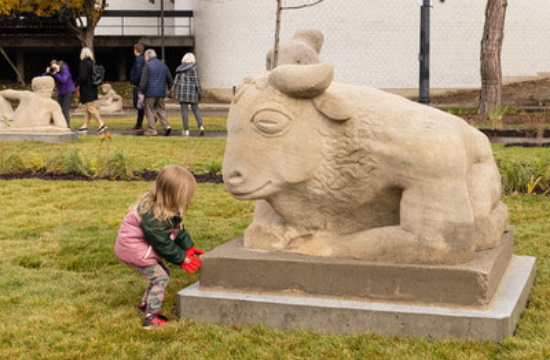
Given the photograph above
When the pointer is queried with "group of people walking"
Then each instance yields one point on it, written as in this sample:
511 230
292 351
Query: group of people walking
151 80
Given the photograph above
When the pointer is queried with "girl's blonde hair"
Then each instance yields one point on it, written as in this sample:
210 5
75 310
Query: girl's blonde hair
171 194
86 53
188 58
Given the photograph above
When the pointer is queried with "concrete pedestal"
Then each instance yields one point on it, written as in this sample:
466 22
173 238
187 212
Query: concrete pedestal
231 267
43 137
480 300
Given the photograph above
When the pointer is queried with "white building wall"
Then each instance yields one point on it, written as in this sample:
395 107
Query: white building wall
137 26
372 43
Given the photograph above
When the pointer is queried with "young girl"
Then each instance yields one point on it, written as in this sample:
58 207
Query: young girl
153 231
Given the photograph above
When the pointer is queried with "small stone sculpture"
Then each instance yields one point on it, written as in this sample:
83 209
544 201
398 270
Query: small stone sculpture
32 111
109 101
355 172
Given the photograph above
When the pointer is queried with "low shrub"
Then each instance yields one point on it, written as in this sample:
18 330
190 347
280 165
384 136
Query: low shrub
520 176
116 166
75 163
12 164
213 167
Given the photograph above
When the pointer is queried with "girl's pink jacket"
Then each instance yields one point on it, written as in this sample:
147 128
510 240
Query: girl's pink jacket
131 246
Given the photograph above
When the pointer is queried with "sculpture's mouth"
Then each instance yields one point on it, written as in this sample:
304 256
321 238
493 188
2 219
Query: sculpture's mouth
257 193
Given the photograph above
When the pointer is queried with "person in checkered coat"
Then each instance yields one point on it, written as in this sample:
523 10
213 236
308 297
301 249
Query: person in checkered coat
189 91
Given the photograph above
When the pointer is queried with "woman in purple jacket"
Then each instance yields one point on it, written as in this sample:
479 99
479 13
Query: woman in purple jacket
59 70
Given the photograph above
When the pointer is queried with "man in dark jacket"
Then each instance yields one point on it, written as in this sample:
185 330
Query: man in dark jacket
135 78
155 80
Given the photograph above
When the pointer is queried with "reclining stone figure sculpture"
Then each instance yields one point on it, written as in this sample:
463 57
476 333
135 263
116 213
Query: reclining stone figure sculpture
108 102
32 111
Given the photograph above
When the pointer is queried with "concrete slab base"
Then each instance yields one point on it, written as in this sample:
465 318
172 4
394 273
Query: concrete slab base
232 267
42 137
328 315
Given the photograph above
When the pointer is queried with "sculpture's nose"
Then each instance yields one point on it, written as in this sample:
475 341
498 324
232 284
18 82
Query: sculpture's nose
234 177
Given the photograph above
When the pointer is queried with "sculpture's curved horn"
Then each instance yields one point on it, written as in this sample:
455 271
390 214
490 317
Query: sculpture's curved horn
302 81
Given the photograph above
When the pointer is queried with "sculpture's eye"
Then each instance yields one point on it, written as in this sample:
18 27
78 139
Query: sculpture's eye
270 122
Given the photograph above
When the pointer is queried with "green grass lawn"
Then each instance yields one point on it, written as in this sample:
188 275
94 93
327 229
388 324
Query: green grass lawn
142 153
65 296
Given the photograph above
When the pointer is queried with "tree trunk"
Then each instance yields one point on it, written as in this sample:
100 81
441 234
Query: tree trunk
491 48
277 35
88 38
19 77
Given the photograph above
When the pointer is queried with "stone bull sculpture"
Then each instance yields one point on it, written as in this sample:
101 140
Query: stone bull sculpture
354 172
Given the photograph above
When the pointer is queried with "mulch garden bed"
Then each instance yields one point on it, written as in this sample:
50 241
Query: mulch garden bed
519 133
140 176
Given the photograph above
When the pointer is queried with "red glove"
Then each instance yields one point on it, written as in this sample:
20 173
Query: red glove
191 264
192 251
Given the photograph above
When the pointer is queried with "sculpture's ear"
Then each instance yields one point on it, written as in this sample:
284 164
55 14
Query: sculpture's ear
333 106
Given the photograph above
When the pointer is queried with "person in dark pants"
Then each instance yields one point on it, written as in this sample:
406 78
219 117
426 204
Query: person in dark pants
155 78
60 72
135 78
87 91
189 91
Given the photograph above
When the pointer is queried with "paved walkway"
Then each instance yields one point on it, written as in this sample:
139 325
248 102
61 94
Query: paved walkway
171 109
208 134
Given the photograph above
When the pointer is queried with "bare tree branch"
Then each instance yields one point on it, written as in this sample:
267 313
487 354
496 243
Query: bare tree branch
19 77
301 6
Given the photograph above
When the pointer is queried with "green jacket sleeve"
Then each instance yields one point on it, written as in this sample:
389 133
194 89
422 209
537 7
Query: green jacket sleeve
158 236
183 239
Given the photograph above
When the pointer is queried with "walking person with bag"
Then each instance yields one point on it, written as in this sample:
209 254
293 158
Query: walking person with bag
189 91
87 91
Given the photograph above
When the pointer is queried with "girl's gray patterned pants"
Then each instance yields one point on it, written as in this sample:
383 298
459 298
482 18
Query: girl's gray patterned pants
158 276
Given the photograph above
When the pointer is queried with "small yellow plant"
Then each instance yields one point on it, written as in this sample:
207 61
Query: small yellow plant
494 115
36 162
533 183
105 136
